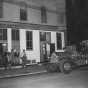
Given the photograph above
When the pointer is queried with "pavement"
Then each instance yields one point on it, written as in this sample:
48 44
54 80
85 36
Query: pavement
30 69
16 71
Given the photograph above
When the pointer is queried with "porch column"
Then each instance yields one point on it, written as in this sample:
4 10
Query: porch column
9 41
63 40
22 39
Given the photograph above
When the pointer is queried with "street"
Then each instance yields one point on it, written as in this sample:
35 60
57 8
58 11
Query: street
77 79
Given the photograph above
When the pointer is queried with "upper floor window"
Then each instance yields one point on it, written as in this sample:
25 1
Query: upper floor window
23 14
43 15
15 34
1 9
3 34
29 40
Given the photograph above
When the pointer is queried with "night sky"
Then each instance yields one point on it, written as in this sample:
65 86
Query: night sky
77 20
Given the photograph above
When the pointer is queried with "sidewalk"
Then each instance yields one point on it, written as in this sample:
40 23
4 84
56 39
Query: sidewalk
19 71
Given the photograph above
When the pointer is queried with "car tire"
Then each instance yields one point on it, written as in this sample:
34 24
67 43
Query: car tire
65 66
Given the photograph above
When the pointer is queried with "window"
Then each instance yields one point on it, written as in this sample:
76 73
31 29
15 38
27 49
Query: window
59 41
43 15
42 36
48 37
1 9
23 14
15 39
15 34
29 40
45 36
3 34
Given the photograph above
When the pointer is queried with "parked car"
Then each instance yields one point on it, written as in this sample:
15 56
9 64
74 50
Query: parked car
66 61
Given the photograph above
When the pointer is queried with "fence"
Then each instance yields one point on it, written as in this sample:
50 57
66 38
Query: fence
80 55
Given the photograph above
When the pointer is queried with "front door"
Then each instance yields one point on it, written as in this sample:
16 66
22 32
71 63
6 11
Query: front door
45 39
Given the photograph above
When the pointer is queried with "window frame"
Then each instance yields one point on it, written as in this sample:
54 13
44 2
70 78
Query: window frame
62 42
43 14
43 36
15 41
29 40
3 34
14 36
23 14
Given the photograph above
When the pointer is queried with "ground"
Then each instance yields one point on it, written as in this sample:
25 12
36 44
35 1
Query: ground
77 79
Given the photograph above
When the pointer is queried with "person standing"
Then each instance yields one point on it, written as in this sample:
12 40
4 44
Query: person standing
12 56
24 58
5 59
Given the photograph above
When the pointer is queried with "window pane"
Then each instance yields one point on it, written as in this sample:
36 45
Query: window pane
59 41
13 34
59 45
48 37
30 35
4 34
17 34
23 14
59 36
42 36
27 35
43 15
29 44
1 35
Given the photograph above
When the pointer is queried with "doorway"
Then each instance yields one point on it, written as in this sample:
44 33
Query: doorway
45 39
43 52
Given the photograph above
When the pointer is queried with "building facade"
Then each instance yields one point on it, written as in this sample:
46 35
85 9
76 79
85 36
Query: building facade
38 26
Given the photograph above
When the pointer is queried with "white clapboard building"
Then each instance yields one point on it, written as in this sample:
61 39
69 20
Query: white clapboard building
38 26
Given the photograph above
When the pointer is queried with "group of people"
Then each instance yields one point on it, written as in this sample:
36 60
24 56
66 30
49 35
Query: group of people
14 58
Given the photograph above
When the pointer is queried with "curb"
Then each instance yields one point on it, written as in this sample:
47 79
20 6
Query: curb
18 75
20 66
13 67
17 67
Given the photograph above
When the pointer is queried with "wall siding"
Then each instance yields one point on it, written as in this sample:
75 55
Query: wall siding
12 13
52 18
34 16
